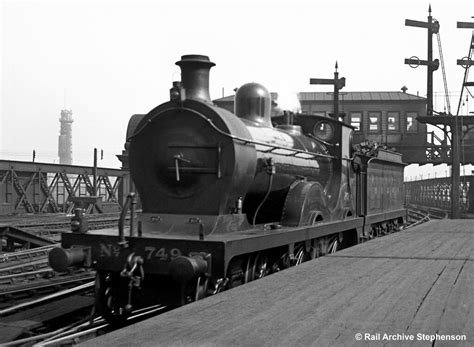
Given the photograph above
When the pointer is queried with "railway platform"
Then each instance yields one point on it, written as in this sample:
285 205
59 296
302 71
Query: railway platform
414 287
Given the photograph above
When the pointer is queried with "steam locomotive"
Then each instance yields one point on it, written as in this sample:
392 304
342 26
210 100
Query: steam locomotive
228 198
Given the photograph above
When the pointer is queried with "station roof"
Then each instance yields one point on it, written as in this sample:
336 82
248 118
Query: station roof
360 96
346 96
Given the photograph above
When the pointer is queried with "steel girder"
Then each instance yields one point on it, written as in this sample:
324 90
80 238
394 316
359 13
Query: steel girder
38 187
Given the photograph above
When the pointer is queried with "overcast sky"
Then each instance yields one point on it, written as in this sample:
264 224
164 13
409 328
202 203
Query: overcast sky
108 60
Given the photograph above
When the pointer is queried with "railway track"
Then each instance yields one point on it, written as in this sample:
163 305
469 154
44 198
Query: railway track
82 329
24 272
27 274
52 221
49 226
30 288
17 268
52 230
48 313
24 256
22 265
41 285
418 215
89 330
95 222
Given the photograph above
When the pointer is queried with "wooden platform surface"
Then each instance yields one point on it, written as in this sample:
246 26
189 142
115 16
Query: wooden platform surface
418 281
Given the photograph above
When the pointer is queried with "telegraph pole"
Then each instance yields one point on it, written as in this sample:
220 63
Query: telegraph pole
466 62
432 66
456 129
447 119
455 170
414 62
94 172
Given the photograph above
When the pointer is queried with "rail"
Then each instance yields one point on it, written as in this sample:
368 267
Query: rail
418 216
89 330
24 255
42 285
84 329
57 295
20 267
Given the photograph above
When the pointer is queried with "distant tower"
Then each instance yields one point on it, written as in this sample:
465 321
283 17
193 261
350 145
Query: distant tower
65 138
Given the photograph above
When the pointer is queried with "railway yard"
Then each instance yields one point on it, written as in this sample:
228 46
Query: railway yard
34 299
39 306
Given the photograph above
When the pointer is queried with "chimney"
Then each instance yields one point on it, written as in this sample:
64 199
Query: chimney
195 76
65 138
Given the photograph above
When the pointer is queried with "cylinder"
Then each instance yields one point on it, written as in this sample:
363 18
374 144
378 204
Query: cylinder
60 259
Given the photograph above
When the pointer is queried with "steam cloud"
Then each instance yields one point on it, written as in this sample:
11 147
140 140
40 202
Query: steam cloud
288 101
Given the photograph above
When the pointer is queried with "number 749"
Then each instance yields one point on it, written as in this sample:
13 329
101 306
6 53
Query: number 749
161 253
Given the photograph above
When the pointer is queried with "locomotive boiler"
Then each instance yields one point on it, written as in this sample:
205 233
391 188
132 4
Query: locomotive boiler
188 155
228 198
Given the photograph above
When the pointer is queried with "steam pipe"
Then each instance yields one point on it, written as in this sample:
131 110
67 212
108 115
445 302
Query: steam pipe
132 212
121 224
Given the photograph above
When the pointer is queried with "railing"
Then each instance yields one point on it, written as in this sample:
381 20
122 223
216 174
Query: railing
27 187
436 193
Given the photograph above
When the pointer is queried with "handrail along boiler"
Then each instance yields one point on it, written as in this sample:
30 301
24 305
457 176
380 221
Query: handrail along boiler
228 198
